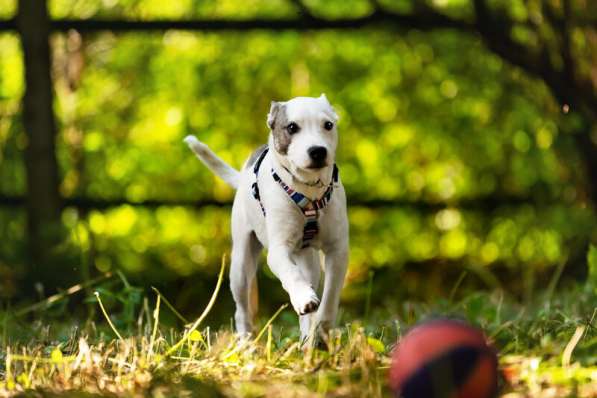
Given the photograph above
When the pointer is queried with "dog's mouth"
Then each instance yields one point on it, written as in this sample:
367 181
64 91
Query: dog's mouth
311 168
317 165
305 175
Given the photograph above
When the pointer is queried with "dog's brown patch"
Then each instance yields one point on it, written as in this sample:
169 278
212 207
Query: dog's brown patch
278 121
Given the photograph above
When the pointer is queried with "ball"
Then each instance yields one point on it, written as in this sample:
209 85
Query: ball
444 358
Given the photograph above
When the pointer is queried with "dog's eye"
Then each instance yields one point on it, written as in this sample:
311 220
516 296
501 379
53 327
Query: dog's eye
293 128
328 125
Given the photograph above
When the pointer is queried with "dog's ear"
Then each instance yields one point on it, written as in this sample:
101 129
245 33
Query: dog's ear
273 113
332 111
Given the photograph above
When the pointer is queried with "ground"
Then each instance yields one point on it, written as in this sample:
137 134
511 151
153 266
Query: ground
547 348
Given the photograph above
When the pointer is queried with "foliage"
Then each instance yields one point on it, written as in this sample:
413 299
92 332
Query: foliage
449 137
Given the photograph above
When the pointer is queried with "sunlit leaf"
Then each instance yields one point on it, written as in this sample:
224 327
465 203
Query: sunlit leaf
56 355
376 344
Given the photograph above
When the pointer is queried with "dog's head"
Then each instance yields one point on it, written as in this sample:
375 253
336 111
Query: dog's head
304 135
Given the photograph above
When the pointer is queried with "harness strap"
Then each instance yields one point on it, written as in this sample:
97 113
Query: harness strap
255 186
309 208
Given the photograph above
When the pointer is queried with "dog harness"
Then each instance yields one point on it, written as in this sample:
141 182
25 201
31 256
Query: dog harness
309 208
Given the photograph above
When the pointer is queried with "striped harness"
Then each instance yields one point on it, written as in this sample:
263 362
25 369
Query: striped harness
309 208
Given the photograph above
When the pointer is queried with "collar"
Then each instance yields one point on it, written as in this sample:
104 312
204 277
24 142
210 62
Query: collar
302 201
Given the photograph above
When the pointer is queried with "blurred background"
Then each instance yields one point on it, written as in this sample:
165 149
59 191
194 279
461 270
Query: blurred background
468 144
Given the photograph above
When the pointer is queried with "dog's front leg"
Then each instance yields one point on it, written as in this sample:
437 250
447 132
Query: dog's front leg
309 263
301 292
336 263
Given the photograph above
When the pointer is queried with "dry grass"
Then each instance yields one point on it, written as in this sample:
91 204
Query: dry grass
219 364
163 362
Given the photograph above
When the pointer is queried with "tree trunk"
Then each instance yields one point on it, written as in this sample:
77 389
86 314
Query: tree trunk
43 200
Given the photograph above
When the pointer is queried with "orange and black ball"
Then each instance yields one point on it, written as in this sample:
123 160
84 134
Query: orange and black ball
444 359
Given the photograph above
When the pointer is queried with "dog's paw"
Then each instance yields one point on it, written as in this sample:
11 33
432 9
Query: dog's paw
313 341
305 301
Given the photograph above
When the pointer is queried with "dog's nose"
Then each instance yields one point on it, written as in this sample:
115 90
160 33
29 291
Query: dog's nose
317 153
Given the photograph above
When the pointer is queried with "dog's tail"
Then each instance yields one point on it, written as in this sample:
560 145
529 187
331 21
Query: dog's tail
212 161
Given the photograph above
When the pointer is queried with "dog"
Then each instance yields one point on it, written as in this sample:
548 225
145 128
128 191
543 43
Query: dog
290 200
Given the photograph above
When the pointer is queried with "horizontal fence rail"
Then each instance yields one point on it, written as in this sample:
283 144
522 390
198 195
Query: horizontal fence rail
424 21
484 204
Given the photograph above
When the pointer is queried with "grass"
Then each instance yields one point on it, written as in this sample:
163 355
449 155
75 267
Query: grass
547 348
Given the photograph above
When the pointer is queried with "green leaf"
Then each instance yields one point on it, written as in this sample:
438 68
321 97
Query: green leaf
196 336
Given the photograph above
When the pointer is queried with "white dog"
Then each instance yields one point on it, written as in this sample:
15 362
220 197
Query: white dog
289 200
